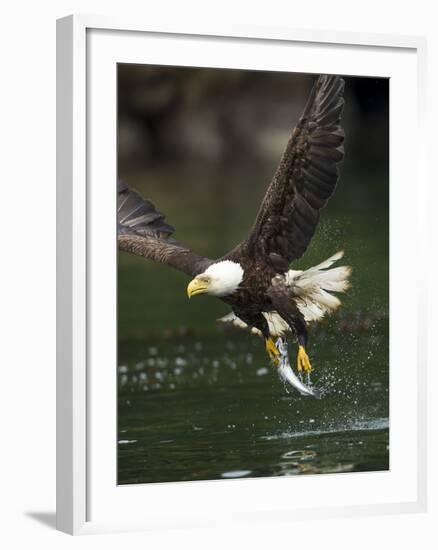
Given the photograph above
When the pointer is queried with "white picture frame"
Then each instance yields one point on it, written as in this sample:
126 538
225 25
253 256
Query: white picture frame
88 499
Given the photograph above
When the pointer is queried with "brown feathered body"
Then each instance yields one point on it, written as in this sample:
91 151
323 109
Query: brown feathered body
252 294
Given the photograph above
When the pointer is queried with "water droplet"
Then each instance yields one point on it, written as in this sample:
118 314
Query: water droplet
300 454
262 371
236 473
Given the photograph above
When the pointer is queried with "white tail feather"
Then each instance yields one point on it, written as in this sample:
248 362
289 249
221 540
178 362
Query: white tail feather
232 318
313 286
277 326
327 263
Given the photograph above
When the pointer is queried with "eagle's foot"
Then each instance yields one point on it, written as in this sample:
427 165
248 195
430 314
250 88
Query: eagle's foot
303 361
272 351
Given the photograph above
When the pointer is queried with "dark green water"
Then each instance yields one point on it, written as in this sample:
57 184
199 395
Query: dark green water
211 408
199 401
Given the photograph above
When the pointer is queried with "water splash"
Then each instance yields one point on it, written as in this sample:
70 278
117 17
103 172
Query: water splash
356 425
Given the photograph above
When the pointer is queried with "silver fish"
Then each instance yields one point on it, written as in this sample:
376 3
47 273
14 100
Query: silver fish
287 374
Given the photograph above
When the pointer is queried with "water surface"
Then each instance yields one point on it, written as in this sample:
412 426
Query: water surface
199 401
193 410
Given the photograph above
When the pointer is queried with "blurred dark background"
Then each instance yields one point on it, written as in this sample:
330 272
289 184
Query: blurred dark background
203 144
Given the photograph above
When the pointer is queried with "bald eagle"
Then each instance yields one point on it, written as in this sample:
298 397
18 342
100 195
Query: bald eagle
255 278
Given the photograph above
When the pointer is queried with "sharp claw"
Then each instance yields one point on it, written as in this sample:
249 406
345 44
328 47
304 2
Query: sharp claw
303 362
274 358
272 351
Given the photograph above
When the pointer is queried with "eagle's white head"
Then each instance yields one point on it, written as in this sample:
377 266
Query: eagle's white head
220 279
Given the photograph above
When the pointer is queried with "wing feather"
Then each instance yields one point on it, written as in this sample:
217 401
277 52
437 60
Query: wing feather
143 231
305 178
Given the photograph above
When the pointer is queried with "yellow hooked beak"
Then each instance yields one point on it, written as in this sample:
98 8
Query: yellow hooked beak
196 286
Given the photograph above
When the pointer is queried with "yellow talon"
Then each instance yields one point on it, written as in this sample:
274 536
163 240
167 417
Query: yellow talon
303 362
272 351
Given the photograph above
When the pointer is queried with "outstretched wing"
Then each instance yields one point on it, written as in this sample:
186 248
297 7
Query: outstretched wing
304 181
142 231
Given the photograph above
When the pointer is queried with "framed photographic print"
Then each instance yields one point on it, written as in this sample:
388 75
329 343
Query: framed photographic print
237 214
